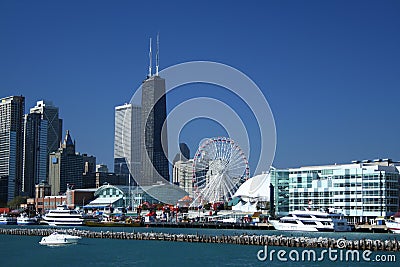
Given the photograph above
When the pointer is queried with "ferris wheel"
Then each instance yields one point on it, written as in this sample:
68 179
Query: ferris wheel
219 168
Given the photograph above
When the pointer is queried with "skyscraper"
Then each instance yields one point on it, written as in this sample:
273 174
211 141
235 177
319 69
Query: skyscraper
50 113
155 166
11 146
183 175
65 167
183 154
127 136
35 152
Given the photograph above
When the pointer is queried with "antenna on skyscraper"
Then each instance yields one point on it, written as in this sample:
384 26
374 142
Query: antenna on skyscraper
157 54
150 58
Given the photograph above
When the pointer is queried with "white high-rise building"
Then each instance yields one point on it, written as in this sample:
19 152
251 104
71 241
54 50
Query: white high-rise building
127 134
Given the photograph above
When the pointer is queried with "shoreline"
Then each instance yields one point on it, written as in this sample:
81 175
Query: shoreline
256 240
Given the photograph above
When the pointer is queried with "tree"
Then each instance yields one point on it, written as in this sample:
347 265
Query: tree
16 202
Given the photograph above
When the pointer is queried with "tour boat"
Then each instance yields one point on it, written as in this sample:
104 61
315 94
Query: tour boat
62 216
7 219
24 219
312 221
57 239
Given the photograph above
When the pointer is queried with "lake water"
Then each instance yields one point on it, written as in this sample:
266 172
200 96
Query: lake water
25 251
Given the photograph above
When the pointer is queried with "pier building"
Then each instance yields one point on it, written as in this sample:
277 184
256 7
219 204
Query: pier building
363 190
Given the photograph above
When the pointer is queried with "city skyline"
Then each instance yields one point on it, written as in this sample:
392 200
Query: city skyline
328 70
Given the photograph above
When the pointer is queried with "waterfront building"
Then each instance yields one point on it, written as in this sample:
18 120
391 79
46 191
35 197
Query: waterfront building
154 142
44 200
78 198
280 197
183 175
117 196
42 190
34 153
11 146
127 140
66 167
50 203
363 190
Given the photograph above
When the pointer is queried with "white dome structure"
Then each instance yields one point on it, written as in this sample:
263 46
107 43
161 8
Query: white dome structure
256 187
253 191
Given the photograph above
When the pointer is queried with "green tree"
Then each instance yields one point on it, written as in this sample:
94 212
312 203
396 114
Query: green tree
16 202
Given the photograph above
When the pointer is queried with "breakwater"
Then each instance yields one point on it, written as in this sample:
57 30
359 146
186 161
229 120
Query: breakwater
257 240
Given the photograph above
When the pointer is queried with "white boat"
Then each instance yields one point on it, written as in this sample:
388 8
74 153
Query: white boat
24 219
312 221
62 216
7 219
57 239
393 225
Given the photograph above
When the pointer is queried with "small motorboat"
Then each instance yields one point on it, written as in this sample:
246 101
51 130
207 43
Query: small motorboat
58 239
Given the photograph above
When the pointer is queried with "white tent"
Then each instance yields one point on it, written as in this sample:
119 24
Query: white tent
238 206
256 187
251 192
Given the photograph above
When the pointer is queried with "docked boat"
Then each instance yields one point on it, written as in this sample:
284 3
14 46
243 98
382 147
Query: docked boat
312 221
393 225
7 219
57 239
62 216
113 224
24 219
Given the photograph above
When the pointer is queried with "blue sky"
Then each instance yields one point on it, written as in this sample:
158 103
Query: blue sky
330 70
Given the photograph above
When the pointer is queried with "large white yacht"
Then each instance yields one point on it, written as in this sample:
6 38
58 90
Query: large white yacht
312 221
62 216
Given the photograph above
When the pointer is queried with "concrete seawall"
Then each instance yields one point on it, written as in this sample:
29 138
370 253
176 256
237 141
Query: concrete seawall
256 240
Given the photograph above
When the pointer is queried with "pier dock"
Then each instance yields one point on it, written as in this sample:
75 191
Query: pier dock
371 228
216 225
256 240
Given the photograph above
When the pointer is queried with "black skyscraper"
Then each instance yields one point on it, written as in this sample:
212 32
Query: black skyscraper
154 113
